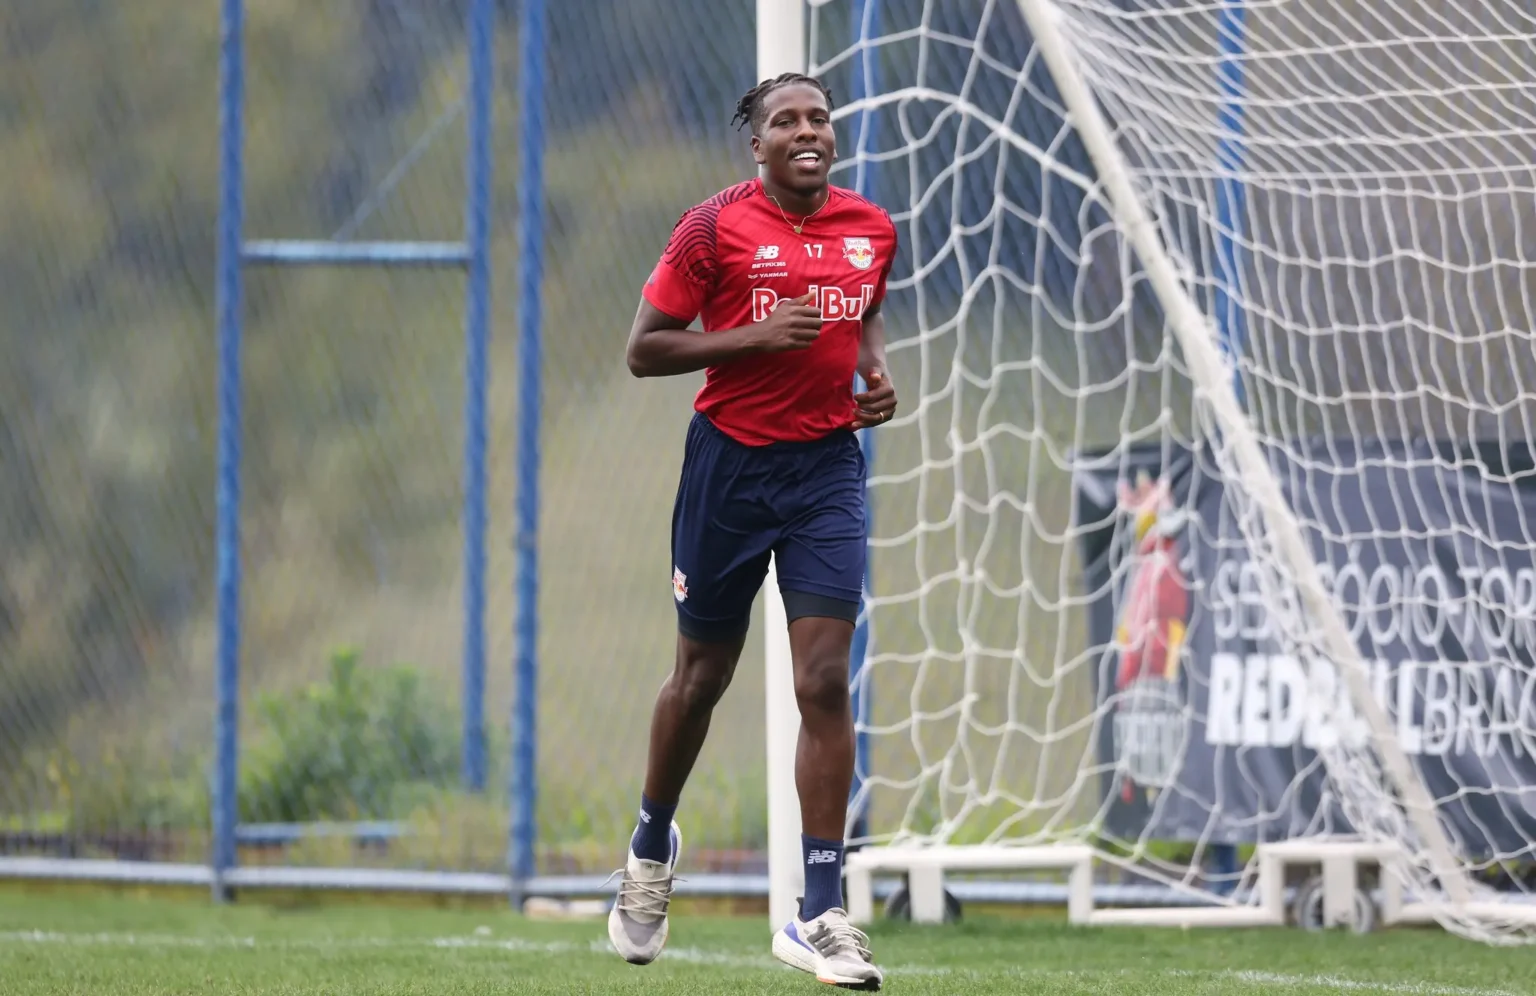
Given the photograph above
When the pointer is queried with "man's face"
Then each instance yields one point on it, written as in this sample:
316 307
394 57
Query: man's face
795 140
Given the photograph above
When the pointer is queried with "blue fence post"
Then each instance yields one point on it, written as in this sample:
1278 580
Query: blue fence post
477 309
530 245
228 295
1230 219
1230 197
866 81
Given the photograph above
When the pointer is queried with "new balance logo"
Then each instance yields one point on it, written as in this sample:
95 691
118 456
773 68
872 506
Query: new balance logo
644 816
821 858
767 252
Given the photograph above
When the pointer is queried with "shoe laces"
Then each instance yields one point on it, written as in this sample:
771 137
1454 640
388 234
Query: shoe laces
636 896
836 935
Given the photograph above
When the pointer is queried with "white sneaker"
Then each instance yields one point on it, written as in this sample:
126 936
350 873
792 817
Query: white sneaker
830 948
637 924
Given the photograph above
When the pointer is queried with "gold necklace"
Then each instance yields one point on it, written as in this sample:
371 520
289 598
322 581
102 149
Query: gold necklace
808 217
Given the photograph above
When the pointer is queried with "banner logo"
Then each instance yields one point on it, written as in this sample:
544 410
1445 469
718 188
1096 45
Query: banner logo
1150 721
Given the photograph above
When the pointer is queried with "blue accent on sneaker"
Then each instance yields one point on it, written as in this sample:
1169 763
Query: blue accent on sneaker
823 876
653 839
793 933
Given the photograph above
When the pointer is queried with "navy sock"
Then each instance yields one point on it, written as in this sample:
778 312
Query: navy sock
653 834
823 876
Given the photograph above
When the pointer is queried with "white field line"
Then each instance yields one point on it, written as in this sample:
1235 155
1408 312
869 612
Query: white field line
1355 985
727 959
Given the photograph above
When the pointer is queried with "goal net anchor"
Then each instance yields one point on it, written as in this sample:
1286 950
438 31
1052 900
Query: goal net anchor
1273 902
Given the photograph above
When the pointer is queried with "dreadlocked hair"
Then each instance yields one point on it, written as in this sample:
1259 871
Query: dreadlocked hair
749 109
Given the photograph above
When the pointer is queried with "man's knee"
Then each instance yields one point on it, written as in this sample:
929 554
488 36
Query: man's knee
820 646
703 671
822 684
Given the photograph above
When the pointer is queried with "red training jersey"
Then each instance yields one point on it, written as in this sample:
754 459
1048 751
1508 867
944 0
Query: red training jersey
732 259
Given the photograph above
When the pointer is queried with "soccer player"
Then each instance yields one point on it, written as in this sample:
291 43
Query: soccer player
788 274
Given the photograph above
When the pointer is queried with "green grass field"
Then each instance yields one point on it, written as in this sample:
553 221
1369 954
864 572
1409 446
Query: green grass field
54 942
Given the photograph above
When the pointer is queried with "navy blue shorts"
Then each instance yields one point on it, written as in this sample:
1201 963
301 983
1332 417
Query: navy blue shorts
738 505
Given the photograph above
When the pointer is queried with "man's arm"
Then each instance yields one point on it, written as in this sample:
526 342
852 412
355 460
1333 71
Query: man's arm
661 345
872 343
878 401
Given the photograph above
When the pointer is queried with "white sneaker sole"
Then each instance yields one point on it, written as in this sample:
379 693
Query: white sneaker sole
796 956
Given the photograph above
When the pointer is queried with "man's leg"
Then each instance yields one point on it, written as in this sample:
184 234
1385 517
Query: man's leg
820 940
679 725
720 552
637 924
821 575
825 752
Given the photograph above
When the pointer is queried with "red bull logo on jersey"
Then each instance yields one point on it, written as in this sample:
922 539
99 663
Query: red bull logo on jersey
1150 721
835 305
859 252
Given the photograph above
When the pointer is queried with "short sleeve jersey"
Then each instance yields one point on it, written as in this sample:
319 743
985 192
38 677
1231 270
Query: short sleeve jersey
732 259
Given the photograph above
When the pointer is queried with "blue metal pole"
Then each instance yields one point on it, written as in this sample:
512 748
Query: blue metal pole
1230 197
866 25
477 311
530 238
1231 216
224 795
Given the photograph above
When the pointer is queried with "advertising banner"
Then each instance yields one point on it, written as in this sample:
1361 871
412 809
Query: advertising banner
1213 722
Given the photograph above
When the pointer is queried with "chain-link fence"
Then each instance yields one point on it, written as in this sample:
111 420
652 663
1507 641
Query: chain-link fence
352 444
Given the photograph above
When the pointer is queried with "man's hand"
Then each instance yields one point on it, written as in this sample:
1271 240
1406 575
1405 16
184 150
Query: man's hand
877 403
793 325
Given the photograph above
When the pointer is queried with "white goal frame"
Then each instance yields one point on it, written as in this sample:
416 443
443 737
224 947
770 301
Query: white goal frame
781 47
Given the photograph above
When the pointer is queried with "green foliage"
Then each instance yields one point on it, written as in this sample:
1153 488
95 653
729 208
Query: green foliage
118 790
127 791
365 744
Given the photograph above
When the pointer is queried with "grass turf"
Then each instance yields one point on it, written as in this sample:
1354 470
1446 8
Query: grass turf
111 944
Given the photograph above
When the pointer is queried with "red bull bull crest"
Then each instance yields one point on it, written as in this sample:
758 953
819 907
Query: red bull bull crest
1150 721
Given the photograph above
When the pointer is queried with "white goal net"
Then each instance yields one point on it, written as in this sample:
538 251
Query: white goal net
1123 591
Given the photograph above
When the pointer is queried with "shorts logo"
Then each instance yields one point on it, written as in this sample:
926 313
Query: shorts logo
859 252
679 585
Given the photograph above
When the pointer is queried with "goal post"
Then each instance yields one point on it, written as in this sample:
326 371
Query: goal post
1207 520
781 49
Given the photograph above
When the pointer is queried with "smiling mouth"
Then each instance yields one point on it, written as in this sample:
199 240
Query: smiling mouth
806 159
